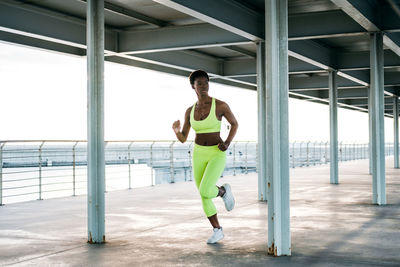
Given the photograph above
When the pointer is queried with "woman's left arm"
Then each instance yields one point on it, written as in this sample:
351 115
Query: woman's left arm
227 113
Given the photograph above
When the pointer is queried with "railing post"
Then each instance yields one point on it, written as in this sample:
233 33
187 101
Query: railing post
1 174
129 164
341 151
234 159
73 170
314 153
105 166
307 150
171 157
351 151
347 152
293 161
246 156
326 153
365 151
257 163
320 153
190 160
300 157
40 170
362 151
356 149
344 152
151 164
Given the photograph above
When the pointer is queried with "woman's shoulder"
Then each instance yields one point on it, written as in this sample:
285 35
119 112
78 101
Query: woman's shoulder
189 109
220 103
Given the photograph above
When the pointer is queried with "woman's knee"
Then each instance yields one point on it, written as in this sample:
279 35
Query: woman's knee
208 192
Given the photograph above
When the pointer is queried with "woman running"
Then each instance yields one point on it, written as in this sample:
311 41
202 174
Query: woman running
209 155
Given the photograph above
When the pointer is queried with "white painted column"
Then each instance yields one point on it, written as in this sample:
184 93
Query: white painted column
396 130
276 44
262 127
95 117
371 163
333 127
377 119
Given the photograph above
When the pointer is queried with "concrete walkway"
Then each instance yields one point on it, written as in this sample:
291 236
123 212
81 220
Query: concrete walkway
332 225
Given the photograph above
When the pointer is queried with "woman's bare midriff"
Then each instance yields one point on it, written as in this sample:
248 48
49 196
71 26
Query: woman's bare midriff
208 139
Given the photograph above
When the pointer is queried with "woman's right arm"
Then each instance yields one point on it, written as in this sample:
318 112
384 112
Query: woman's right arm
176 126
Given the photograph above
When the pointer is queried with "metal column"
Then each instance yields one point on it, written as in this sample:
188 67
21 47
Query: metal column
333 127
396 131
276 36
371 163
377 119
1 173
262 127
96 161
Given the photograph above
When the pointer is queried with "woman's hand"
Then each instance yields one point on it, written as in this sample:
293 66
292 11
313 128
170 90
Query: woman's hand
223 146
176 126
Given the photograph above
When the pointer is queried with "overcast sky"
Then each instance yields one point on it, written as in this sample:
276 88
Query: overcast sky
43 96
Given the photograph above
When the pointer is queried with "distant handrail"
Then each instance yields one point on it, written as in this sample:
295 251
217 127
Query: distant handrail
131 161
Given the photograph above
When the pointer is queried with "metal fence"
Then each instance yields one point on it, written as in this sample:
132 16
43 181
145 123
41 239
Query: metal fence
44 169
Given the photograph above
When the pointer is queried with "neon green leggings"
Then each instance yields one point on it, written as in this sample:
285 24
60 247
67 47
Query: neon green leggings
208 165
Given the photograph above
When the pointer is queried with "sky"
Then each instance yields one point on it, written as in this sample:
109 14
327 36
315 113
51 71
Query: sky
43 95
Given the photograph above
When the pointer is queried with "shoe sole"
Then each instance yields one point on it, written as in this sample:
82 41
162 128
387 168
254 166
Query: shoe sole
228 191
216 240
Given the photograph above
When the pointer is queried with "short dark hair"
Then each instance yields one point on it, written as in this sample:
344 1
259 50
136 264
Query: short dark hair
196 74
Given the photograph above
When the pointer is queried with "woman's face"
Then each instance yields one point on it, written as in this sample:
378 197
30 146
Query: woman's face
200 85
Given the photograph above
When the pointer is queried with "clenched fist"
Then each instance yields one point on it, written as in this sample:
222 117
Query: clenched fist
176 126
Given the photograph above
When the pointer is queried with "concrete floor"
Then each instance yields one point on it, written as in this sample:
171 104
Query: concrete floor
332 225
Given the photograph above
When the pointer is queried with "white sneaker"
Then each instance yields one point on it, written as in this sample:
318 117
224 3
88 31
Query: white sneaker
228 197
218 234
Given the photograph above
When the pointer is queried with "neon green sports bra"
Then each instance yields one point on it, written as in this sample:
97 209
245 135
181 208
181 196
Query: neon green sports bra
209 125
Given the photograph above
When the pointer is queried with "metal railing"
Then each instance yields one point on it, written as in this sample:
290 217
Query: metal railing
44 169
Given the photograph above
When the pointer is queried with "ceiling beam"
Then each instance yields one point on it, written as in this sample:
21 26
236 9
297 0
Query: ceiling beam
319 25
242 51
228 15
17 39
312 53
361 60
342 93
177 70
391 80
177 38
318 82
131 14
367 15
364 102
34 22
184 60
134 14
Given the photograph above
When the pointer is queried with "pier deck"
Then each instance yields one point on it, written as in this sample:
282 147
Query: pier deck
164 225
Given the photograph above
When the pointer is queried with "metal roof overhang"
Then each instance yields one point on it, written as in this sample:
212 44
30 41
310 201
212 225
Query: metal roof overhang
178 36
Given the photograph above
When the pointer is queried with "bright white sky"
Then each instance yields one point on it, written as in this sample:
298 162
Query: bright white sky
43 96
